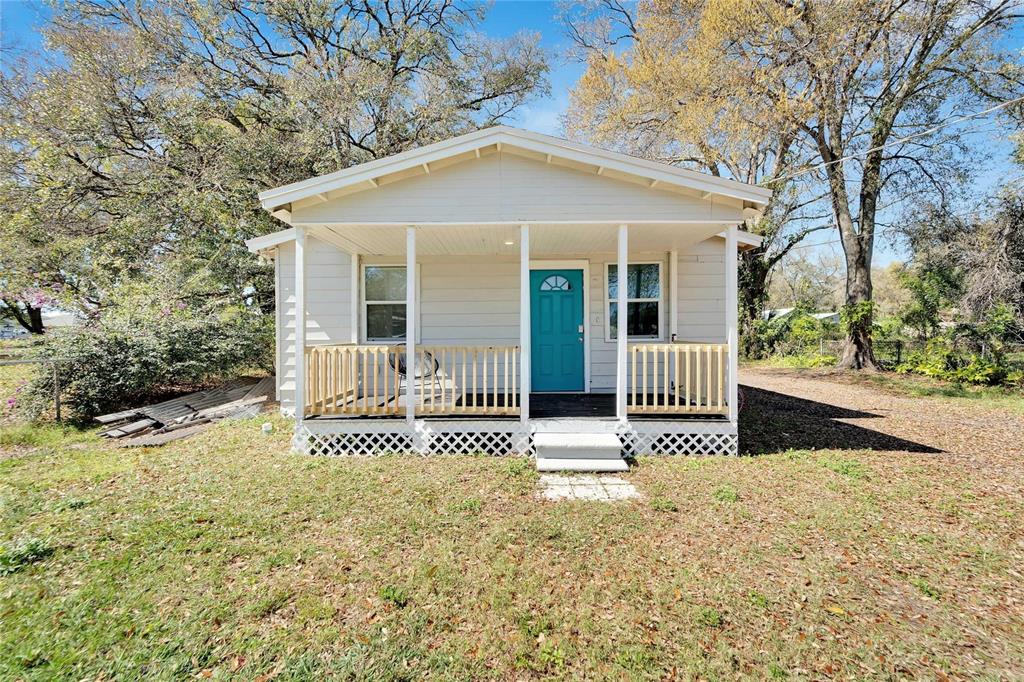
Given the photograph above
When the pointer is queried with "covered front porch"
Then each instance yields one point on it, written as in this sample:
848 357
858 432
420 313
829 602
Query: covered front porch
544 327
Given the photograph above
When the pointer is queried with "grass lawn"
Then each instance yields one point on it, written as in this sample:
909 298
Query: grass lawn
225 556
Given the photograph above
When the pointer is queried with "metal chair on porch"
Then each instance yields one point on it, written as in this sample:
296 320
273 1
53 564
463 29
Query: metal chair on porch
426 373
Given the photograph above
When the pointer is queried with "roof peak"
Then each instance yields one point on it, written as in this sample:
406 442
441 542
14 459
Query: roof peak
654 171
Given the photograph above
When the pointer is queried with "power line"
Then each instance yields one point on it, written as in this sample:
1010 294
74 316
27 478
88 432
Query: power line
907 138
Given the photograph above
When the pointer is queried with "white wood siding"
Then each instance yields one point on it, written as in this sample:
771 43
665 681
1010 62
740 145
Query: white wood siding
509 187
701 282
328 306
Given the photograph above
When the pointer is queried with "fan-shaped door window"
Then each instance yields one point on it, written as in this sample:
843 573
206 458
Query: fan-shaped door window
555 283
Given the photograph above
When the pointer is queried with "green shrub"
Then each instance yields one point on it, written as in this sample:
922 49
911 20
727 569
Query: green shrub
119 363
939 359
805 330
806 360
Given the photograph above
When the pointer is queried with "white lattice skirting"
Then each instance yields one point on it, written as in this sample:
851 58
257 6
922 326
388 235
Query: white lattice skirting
499 438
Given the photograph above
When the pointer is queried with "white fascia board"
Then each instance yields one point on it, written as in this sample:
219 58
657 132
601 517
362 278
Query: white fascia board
513 137
269 241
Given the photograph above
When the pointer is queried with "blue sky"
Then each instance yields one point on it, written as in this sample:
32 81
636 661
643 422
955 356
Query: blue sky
21 19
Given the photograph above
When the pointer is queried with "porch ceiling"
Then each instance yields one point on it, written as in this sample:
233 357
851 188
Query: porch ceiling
546 239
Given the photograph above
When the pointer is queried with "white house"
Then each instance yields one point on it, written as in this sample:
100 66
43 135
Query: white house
492 259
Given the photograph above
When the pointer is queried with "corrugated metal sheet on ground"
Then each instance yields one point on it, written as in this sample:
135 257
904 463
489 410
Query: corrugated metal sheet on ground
168 411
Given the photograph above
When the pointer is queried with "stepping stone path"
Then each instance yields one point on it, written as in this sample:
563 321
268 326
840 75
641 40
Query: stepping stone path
585 487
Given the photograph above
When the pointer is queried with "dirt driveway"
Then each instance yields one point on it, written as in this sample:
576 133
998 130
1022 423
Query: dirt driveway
822 409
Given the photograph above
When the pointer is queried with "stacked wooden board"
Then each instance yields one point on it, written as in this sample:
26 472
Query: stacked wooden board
187 415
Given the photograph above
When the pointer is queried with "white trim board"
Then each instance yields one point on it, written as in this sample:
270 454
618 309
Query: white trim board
267 242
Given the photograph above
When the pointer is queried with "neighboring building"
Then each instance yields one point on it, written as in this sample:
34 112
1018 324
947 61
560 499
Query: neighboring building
492 259
779 313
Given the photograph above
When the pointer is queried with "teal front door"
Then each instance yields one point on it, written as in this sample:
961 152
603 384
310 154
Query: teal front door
556 330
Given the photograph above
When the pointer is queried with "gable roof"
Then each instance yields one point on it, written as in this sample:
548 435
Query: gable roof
368 175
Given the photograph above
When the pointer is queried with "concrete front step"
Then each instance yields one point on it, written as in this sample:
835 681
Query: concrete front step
562 425
578 445
580 464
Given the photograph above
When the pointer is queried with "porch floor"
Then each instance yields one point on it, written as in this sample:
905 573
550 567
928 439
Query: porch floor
598 406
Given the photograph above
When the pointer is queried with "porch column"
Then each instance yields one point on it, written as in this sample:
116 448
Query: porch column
354 299
300 326
622 283
410 324
525 367
731 321
673 295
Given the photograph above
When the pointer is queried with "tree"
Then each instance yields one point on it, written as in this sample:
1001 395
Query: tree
867 83
864 86
653 87
131 160
971 260
132 155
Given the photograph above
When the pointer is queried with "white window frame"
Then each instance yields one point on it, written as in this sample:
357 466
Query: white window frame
363 302
660 300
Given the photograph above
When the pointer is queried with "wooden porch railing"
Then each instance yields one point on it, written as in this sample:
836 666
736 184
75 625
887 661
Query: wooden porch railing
677 378
351 380
471 380
365 380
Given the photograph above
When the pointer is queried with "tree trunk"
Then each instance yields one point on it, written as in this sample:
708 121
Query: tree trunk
35 316
29 317
858 352
858 245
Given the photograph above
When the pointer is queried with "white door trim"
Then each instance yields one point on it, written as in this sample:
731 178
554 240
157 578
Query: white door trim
583 265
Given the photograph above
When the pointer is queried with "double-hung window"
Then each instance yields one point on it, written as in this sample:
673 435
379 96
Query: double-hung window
384 302
643 297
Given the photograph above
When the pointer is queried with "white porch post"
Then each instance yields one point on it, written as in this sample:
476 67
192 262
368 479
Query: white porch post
300 328
410 323
673 295
525 366
354 300
622 281
731 320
